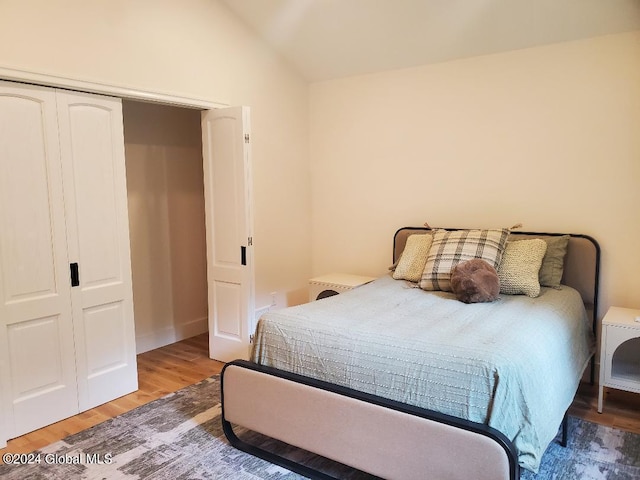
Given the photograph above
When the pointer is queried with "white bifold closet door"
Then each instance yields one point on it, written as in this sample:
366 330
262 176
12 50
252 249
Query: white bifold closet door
229 223
66 327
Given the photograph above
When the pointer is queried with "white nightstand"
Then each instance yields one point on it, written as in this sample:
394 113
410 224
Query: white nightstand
620 352
335 283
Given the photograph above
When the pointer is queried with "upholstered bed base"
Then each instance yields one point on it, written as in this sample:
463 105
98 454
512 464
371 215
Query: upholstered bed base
378 436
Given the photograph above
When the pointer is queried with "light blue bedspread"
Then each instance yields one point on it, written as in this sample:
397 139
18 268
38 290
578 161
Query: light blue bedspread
513 364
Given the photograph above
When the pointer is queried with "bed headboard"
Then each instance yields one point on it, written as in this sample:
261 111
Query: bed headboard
581 264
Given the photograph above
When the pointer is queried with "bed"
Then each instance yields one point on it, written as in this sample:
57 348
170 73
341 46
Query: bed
403 383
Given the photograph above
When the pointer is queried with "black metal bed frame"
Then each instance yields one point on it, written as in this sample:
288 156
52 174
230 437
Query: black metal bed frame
497 436
234 440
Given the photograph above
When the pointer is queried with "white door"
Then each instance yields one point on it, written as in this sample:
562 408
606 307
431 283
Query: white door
37 365
92 150
228 203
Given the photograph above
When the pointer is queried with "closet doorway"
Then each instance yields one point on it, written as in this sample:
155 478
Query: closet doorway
165 190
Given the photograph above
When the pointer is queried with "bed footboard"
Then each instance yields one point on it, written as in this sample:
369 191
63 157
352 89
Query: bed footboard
378 436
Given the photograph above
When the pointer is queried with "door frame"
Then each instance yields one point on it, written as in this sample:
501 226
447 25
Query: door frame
113 90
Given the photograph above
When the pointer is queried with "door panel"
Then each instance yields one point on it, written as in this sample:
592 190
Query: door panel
27 243
36 352
103 327
34 343
227 175
92 147
228 309
89 146
37 365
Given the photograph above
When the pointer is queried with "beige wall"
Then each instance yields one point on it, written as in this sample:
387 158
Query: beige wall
193 48
547 136
165 189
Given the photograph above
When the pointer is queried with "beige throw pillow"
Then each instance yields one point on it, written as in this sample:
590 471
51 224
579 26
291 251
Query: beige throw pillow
518 271
413 258
449 248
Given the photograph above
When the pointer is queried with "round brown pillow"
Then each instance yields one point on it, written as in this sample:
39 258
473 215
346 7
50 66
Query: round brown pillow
475 281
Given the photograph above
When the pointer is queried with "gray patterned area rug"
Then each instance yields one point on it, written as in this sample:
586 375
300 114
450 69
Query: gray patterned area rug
180 437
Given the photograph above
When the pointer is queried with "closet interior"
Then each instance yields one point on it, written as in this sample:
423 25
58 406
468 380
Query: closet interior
165 190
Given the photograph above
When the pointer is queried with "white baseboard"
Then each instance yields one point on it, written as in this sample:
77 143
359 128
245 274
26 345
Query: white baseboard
170 334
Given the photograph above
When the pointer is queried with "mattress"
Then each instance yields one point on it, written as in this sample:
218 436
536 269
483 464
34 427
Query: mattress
513 364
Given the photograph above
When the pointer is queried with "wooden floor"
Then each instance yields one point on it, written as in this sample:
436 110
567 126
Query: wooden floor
621 409
175 366
160 372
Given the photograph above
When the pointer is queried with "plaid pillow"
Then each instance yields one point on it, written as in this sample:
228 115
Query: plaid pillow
449 248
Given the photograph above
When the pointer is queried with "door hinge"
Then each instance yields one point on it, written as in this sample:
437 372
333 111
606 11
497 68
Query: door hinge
250 241
251 338
246 138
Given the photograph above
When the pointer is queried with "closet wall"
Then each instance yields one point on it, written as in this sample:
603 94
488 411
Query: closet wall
163 149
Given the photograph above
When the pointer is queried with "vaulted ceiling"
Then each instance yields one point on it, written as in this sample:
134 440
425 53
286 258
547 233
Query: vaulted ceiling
327 39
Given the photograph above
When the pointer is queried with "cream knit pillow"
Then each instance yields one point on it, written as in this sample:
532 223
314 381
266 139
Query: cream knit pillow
413 258
518 271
